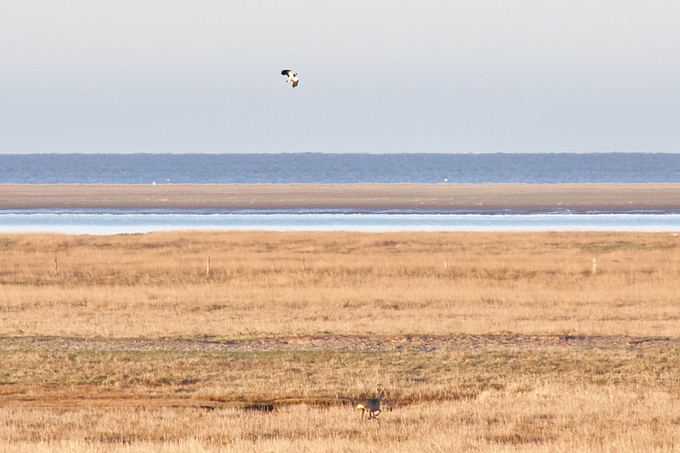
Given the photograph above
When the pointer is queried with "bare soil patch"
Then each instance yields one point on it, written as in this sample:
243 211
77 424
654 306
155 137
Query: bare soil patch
423 343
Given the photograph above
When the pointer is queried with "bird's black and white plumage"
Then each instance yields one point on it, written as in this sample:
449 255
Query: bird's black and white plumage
291 77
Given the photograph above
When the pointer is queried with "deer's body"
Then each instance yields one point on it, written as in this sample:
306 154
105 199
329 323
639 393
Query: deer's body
372 405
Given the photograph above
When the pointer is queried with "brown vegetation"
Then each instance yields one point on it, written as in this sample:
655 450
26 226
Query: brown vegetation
156 285
487 342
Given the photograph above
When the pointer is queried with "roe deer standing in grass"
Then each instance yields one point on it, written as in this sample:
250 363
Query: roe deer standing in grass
372 405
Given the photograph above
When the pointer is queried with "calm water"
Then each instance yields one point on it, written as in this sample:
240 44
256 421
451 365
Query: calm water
143 222
337 168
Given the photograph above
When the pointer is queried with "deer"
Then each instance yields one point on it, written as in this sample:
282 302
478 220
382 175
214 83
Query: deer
372 405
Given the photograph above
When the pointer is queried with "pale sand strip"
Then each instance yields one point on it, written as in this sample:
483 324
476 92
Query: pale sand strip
469 197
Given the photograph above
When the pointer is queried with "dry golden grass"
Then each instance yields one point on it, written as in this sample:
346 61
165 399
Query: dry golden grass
620 399
156 285
325 377
546 418
129 346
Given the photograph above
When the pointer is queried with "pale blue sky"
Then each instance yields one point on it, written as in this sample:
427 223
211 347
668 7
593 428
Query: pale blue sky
398 76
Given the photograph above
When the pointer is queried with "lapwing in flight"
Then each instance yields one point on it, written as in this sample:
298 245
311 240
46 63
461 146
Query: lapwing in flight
291 77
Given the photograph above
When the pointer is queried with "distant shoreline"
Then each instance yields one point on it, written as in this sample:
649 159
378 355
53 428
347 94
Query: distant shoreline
529 198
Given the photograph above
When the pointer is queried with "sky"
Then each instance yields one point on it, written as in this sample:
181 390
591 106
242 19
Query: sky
375 76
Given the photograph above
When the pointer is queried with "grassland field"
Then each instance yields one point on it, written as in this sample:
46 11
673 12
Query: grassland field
261 341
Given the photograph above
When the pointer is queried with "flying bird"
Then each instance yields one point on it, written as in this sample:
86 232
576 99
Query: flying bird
291 77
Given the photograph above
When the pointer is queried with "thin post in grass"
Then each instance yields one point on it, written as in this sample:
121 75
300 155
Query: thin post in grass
56 263
446 263
303 263
594 265
207 267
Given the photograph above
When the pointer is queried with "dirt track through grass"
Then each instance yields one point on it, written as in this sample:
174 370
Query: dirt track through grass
424 343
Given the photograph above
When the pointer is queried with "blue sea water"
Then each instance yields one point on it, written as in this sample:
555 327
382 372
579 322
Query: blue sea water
332 169
338 168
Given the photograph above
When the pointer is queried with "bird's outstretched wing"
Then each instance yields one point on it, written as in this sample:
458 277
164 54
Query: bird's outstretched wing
286 72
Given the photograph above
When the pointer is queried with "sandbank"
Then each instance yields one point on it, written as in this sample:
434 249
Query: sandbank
438 197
